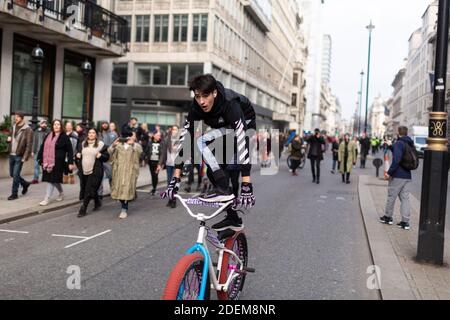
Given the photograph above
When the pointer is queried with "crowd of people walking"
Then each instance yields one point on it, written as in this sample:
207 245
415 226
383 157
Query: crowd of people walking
61 153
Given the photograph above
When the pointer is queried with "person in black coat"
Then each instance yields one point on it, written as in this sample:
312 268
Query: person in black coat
316 148
52 157
91 155
365 149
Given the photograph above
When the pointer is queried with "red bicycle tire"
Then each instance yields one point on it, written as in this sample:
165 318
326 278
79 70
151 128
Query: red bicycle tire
178 273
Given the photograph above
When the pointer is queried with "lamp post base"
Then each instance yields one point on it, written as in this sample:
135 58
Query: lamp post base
433 208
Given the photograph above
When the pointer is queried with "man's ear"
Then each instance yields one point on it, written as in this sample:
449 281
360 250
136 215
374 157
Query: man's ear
215 93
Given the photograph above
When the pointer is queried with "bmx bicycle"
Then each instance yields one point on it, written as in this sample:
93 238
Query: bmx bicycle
195 274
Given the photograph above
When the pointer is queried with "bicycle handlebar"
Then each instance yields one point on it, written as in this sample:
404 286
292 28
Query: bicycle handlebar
200 216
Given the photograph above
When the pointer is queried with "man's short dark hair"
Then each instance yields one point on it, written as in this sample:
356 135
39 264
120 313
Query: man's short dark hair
134 119
20 114
402 131
205 84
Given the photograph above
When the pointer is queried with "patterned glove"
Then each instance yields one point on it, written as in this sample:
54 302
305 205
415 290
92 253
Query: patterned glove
247 199
172 189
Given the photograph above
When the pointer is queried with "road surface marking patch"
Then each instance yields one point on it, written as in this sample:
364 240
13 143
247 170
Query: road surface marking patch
84 239
14 231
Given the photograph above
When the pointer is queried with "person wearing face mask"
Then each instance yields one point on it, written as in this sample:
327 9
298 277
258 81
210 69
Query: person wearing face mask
52 157
91 155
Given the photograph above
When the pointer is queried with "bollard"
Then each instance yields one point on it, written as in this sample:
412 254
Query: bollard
378 163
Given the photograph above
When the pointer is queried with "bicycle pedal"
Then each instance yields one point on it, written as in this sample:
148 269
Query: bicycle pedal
250 270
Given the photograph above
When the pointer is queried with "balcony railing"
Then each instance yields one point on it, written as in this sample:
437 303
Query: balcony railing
80 14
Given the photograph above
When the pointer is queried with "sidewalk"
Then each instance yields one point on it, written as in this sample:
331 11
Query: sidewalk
394 250
28 205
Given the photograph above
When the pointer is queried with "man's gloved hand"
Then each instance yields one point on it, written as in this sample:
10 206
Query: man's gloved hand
172 189
247 199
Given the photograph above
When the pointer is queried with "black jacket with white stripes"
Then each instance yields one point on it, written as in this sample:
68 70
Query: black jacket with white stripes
231 110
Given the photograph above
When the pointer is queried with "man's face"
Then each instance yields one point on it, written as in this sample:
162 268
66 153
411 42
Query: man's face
205 100
133 122
105 126
18 119
44 125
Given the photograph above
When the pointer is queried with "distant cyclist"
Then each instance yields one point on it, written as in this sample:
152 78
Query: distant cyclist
220 109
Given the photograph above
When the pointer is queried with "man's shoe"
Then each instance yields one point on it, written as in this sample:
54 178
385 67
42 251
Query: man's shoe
314 180
60 197
318 181
223 235
227 223
82 212
173 204
97 205
13 197
44 202
217 195
348 182
404 225
387 220
153 192
25 188
123 215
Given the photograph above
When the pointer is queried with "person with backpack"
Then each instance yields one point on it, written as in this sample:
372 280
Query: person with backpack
399 175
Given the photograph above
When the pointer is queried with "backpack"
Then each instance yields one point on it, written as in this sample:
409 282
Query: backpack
410 160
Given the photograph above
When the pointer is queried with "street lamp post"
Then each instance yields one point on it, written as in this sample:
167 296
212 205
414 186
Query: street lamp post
38 58
360 103
370 27
86 68
435 170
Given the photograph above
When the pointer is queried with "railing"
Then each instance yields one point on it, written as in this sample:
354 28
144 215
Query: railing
81 14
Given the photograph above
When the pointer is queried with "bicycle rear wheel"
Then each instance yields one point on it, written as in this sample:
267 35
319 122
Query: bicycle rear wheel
185 279
239 246
289 163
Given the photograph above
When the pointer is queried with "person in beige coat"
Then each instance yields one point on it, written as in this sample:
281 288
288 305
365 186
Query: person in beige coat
125 171
347 158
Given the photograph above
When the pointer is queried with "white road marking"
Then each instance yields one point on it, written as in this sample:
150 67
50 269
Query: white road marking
340 198
323 197
67 236
87 239
14 231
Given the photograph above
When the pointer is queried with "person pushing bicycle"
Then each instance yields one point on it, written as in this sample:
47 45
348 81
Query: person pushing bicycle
221 109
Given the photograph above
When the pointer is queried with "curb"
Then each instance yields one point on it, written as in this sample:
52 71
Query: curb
394 283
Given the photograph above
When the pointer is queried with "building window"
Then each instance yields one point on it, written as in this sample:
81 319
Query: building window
148 75
294 100
120 73
195 70
180 27
178 74
161 28
128 31
153 118
142 28
23 77
295 79
74 84
200 28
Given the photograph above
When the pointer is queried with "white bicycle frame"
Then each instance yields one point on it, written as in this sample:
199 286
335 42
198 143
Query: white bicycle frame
204 233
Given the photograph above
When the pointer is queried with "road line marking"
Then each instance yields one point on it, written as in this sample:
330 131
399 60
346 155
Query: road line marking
87 239
66 236
340 198
14 231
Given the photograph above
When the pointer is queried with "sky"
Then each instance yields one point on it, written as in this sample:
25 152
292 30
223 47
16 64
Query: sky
346 21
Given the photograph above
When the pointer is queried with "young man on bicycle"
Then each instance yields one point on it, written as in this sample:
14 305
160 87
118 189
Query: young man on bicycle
221 109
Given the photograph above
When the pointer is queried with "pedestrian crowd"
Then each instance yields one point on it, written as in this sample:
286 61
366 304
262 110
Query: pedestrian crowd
61 154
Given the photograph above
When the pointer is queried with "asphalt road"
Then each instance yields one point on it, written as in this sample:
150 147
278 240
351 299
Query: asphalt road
306 241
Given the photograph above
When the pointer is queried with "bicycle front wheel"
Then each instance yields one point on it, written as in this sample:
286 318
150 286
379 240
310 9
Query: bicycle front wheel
185 279
239 246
